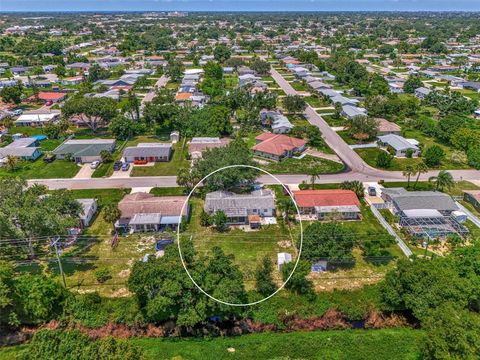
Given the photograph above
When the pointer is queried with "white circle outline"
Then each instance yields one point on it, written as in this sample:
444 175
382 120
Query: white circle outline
299 249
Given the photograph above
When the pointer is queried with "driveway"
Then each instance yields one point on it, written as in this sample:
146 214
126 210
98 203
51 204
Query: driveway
161 82
85 172
119 174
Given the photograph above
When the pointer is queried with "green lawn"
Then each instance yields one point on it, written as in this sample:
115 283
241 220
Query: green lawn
299 85
426 141
38 169
248 247
332 121
179 160
369 155
457 190
329 344
302 166
316 101
346 344
168 191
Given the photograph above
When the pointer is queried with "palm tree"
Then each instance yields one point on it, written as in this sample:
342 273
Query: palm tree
421 168
408 173
314 174
11 163
111 214
443 180
287 208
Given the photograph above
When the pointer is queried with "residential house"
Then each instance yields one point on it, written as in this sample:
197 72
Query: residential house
322 204
385 127
38 118
73 80
278 122
425 214
351 112
46 96
282 259
143 212
199 144
150 152
241 208
21 148
246 79
422 92
277 146
471 85
400 146
89 209
84 150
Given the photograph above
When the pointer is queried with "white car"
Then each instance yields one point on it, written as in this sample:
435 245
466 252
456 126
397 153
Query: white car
94 164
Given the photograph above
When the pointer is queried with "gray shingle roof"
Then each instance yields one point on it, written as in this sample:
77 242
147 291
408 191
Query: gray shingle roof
411 200
145 150
87 147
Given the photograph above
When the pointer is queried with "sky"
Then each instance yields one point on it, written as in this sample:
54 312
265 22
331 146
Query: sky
240 5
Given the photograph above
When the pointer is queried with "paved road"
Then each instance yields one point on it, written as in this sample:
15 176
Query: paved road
170 181
354 162
161 82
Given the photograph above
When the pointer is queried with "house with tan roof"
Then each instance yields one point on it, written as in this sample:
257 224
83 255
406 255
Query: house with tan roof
144 212
320 204
200 144
385 127
277 146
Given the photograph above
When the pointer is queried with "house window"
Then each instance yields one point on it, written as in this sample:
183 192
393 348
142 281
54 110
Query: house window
265 210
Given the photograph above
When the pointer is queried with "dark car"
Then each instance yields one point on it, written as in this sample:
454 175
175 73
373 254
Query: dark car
117 165
125 167
49 158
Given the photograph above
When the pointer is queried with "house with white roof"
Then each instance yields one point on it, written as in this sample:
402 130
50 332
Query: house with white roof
36 119
400 145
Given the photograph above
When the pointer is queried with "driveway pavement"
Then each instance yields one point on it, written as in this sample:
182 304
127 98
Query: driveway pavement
85 172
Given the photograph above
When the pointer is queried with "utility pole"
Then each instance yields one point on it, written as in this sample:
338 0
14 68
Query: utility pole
55 245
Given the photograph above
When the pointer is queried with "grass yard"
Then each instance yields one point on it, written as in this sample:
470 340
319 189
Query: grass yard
426 141
38 169
316 101
302 166
168 191
93 250
470 93
332 344
369 155
299 85
178 160
328 344
248 247
457 190
230 81
333 121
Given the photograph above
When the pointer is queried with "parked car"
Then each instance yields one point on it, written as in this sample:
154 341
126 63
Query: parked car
94 164
49 158
372 191
17 112
49 103
117 165
125 167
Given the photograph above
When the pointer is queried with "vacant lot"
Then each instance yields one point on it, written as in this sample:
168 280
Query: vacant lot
302 166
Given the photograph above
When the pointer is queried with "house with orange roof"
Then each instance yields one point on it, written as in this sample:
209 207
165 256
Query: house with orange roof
277 146
321 204
45 96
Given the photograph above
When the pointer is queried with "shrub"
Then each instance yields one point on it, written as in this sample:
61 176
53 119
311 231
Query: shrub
434 155
102 275
384 160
